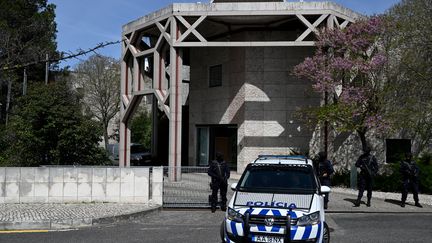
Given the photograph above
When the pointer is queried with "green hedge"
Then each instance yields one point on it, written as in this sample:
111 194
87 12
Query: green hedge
391 180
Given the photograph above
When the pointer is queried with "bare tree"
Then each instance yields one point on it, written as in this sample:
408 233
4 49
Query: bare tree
99 80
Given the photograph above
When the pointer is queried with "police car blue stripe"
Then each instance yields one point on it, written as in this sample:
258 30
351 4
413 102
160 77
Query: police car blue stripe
293 231
275 228
276 212
227 240
307 232
250 210
319 231
293 214
261 227
264 212
233 228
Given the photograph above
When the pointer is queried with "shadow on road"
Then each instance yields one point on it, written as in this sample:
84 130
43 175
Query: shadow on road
393 201
353 201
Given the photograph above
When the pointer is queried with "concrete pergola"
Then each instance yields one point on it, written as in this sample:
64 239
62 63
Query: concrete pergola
153 46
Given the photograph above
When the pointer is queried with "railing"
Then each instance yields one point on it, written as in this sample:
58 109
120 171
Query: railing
191 191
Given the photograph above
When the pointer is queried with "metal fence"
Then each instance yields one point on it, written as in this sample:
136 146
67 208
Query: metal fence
192 191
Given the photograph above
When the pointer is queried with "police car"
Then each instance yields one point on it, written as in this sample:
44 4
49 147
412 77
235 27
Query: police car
278 199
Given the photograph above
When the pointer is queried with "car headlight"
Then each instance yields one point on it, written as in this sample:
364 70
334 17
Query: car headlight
310 219
234 215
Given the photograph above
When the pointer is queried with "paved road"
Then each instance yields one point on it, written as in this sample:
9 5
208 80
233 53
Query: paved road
202 226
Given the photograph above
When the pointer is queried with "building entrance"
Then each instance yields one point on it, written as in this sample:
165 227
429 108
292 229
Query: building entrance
217 138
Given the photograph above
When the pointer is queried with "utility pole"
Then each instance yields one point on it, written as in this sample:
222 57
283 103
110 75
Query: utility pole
46 69
24 88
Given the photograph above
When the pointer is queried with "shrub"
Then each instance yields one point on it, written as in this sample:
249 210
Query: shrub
341 178
425 164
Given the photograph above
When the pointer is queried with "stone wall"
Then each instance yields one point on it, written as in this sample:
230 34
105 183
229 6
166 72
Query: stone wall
80 184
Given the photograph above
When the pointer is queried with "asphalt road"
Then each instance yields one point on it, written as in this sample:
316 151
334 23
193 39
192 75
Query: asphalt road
203 226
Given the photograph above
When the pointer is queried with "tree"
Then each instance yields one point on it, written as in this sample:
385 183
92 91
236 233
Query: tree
47 127
99 79
347 68
27 33
409 44
141 128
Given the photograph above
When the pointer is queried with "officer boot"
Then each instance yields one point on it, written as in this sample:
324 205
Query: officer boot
368 204
357 203
417 204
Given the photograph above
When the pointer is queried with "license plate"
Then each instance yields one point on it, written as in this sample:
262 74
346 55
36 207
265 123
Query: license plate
268 239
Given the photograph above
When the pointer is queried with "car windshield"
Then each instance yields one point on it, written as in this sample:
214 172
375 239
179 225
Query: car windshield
278 178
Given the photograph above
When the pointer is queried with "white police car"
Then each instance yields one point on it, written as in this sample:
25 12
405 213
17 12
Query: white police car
278 199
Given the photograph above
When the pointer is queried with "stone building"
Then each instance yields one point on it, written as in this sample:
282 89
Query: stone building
220 75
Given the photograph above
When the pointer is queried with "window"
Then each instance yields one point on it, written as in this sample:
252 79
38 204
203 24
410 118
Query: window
215 76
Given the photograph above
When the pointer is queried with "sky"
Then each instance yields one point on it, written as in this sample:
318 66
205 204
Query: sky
82 24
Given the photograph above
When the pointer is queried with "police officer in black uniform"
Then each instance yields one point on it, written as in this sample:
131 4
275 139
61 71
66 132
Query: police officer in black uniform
325 170
368 168
410 178
219 173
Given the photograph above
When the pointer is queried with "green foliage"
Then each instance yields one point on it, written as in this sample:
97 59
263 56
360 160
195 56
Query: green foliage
341 178
142 129
47 127
389 182
27 34
425 164
27 31
409 44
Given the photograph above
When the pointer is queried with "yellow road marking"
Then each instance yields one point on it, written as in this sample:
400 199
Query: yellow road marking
22 231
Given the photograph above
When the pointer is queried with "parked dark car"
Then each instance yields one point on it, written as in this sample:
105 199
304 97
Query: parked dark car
139 155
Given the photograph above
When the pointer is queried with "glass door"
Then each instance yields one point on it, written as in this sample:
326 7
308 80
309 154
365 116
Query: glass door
203 146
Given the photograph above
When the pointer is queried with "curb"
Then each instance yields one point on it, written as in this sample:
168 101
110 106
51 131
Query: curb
59 224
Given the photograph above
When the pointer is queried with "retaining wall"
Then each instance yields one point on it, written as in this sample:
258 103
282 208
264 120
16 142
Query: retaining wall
81 184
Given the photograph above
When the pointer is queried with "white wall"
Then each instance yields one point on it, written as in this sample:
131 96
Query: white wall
80 184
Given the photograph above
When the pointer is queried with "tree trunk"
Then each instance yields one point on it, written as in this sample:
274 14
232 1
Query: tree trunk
105 134
362 134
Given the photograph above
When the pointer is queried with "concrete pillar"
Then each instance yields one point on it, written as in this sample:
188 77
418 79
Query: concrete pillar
125 91
156 86
175 123
157 185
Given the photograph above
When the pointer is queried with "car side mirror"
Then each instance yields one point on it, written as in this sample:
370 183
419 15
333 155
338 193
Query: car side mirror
325 189
234 186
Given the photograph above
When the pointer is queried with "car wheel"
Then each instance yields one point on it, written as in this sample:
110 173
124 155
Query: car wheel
222 232
326 233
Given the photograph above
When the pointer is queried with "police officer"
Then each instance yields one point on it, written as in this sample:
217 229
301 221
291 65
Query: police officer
219 173
368 168
410 178
325 170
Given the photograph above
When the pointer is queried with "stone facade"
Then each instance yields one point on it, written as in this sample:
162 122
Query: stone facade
258 94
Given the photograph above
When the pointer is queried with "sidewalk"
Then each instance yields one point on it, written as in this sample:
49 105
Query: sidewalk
66 216
342 201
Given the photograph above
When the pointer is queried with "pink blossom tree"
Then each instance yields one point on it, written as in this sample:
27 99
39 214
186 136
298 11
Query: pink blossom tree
347 68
